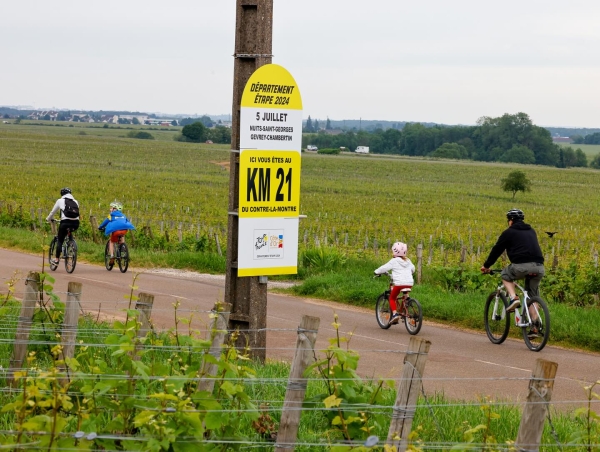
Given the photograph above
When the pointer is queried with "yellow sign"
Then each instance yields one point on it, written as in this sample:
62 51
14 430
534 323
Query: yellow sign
270 181
272 86
269 173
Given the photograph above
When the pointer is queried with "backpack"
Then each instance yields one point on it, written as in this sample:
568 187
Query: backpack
71 209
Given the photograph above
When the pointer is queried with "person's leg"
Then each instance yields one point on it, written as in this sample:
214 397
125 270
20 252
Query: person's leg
111 246
394 299
509 275
62 233
532 285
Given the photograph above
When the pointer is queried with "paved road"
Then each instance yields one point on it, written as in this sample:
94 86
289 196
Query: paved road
461 364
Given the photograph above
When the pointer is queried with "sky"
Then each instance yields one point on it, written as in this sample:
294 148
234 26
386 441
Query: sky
448 62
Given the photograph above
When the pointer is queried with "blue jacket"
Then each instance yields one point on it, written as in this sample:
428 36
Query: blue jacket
116 221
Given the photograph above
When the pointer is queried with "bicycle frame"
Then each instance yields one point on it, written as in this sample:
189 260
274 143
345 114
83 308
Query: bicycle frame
519 316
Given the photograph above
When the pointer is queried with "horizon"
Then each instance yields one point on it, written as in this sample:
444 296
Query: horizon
220 116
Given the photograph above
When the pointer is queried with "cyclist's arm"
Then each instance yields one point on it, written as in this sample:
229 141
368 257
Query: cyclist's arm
384 268
104 223
55 209
497 250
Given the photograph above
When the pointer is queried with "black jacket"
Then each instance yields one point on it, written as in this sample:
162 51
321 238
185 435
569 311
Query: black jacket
521 244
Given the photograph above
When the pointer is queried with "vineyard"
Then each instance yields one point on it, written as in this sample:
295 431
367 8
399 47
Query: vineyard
360 204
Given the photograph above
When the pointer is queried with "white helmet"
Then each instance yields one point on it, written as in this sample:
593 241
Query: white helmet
116 205
399 249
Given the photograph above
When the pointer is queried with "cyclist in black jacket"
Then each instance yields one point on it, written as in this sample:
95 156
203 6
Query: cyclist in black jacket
523 249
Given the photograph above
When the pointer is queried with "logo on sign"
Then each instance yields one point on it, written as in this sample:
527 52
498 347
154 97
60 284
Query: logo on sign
268 244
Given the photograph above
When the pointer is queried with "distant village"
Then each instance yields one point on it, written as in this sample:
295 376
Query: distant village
141 119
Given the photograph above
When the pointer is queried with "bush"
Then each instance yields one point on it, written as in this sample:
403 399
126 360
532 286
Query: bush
140 135
329 151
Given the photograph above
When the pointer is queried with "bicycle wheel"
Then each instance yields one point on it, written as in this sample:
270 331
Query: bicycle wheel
70 256
497 320
51 254
383 311
536 336
107 263
123 257
414 316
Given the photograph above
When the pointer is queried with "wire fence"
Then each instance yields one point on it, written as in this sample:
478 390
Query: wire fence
172 366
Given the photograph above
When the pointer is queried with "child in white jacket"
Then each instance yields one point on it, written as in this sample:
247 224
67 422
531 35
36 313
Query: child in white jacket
402 275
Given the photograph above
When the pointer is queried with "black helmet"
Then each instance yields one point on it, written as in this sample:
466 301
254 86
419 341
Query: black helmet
65 191
515 214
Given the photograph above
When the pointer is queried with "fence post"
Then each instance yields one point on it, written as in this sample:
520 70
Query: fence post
419 262
69 329
53 227
180 232
218 244
95 234
218 330
144 305
430 250
32 289
296 389
534 413
408 393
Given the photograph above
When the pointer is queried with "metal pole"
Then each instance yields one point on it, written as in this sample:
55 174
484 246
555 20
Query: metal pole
247 295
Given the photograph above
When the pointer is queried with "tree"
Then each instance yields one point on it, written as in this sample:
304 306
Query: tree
519 154
595 163
516 181
135 121
309 126
195 132
450 151
328 125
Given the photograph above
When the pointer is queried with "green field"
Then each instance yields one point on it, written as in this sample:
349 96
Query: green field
358 203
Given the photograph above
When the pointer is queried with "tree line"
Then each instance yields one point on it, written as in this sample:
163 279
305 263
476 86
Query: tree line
197 132
509 138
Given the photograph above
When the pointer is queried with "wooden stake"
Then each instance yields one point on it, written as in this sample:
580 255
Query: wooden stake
296 389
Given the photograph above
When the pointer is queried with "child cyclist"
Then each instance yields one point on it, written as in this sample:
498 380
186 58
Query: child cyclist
115 225
402 275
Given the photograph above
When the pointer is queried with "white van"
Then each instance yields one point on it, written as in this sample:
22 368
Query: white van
362 150
310 147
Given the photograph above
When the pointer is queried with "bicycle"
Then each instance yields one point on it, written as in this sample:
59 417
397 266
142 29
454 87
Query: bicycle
69 251
121 255
497 322
410 310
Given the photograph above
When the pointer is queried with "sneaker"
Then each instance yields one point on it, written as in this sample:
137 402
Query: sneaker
394 319
55 261
513 305
533 333
111 261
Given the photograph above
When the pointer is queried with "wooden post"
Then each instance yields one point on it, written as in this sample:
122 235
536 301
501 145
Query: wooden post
430 250
180 232
144 305
32 289
218 330
419 262
409 389
69 329
95 233
296 389
218 244
463 254
596 259
534 413
53 227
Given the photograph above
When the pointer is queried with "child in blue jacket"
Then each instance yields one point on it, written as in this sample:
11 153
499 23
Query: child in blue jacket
115 225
